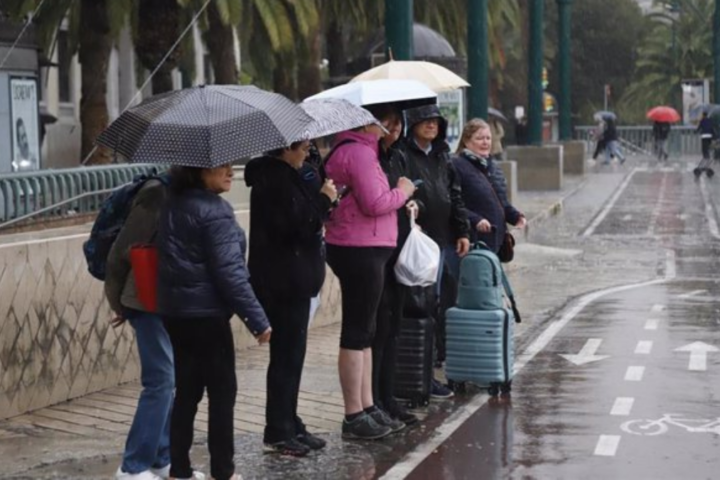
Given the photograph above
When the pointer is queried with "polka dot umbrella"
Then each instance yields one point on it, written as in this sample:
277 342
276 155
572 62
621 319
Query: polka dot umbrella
205 126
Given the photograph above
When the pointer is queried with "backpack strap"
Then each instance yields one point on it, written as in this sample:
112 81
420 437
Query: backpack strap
510 295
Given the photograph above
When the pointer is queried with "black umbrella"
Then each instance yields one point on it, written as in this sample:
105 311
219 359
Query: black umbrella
205 126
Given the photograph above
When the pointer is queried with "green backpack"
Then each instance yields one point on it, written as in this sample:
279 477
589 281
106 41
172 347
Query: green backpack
483 282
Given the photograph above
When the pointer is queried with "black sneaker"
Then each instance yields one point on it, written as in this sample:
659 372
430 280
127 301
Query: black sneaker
438 391
364 428
311 441
403 415
290 447
383 418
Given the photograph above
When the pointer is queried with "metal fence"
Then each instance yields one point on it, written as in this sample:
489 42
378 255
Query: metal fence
54 193
682 140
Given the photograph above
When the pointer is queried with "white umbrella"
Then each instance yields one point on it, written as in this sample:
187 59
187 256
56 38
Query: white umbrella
333 115
378 91
435 76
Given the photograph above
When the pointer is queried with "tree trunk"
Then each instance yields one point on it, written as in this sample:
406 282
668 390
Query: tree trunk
309 81
94 50
158 29
284 78
336 50
221 44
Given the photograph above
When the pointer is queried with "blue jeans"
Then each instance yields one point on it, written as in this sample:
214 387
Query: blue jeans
148 443
449 262
613 148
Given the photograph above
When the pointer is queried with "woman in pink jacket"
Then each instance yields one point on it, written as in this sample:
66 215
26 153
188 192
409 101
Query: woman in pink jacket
361 235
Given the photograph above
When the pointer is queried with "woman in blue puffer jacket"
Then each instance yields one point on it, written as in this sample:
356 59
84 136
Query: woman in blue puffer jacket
202 282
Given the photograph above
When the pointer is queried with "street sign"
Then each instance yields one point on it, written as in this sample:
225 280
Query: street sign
587 353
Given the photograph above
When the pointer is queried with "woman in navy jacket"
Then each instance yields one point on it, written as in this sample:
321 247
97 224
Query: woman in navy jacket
202 283
483 187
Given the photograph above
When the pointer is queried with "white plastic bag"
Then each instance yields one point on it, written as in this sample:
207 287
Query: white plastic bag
419 260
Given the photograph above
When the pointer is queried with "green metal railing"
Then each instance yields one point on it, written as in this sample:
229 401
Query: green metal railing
682 140
53 193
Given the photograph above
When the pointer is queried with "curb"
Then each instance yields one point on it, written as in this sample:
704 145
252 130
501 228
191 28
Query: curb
554 209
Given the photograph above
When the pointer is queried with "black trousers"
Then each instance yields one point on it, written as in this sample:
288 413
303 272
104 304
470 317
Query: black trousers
384 348
204 360
706 142
289 320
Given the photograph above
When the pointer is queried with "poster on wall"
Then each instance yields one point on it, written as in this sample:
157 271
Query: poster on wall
696 93
452 107
24 126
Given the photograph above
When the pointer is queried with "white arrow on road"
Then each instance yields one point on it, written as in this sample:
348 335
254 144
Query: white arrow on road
587 354
698 354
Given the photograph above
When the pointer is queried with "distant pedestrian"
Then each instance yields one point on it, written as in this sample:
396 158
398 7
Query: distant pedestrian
521 131
612 142
707 132
147 448
484 188
361 235
202 282
598 134
498 133
661 131
287 268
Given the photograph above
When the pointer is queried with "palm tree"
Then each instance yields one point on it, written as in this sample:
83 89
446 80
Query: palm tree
659 69
157 29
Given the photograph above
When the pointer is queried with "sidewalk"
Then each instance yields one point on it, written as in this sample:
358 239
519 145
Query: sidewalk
84 438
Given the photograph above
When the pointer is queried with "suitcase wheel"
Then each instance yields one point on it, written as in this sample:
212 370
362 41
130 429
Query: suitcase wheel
710 172
493 389
697 172
506 388
457 387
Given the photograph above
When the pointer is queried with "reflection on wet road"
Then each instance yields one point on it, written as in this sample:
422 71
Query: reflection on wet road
624 383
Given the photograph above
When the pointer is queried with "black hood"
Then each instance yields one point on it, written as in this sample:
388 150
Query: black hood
413 116
261 168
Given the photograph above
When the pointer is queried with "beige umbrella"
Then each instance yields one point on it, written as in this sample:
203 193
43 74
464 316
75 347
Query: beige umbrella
436 77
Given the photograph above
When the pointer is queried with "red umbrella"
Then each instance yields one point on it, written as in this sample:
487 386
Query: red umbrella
663 114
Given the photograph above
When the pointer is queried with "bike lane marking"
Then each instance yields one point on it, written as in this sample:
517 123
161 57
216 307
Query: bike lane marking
652 324
610 204
622 406
657 308
634 373
644 347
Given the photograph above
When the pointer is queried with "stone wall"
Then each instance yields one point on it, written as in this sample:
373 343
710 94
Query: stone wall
56 342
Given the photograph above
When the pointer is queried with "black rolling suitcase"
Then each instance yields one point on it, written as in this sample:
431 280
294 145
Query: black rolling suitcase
414 369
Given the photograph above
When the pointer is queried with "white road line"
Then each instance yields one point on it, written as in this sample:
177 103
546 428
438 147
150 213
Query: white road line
622 406
709 209
658 206
634 374
657 308
403 468
644 347
692 294
652 324
611 203
670 264
607 445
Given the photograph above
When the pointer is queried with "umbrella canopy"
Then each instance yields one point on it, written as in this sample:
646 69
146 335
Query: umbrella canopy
333 115
436 77
497 114
604 115
205 126
663 114
370 92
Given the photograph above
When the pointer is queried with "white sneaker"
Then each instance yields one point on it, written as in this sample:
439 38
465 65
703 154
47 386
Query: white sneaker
163 473
195 476
146 475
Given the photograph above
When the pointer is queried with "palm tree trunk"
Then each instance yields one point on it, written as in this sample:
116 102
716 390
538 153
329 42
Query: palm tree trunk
221 45
309 81
284 77
336 50
158 29
94 50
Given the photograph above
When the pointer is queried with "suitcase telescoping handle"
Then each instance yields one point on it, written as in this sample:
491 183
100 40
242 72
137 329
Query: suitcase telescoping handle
506 284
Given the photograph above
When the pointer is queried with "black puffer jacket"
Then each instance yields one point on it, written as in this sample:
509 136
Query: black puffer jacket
287 257
202 261
443 215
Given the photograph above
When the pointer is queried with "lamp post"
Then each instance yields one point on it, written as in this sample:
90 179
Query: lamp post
399 29
716 52
478 49
564 97
535 90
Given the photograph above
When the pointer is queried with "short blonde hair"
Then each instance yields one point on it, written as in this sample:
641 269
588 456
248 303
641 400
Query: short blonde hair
469 130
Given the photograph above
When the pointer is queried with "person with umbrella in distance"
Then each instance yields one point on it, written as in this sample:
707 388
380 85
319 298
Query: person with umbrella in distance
202 280
444 218
707 133
612 143
361 235
662 117
287 268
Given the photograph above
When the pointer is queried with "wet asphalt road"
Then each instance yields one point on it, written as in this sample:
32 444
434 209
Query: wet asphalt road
624 383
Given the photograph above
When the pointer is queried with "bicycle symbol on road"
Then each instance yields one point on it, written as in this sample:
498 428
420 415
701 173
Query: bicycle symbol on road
662 424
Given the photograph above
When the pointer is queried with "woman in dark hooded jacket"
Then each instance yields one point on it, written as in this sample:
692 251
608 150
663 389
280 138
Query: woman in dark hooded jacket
483 187
287 267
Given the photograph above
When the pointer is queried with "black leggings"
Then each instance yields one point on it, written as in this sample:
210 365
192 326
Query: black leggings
361 272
